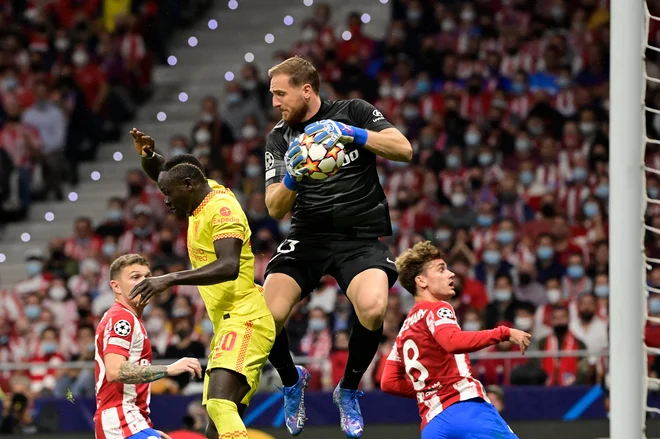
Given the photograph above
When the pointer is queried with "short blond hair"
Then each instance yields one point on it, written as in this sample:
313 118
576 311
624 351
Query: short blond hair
300 72
414 261
126 261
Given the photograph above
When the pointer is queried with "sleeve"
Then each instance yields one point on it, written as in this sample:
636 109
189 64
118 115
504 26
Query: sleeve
228 220
445 330
118 334
367 116
394 379
275 168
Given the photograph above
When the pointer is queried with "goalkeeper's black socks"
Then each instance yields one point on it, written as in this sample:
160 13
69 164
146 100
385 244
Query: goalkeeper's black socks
280 358
362 347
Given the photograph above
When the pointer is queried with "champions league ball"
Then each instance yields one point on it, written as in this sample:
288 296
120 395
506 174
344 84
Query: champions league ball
321 162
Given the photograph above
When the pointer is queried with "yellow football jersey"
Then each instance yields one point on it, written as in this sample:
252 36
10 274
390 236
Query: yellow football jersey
220 216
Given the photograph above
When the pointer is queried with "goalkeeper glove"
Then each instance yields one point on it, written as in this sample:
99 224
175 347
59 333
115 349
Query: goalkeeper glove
338 132
293 161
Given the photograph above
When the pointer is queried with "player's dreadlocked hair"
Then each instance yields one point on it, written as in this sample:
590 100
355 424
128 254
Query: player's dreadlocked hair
183 158
413 262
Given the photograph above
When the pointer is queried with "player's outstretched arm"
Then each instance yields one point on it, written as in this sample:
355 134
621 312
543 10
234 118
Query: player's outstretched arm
118 369
145 146
455 341
390 144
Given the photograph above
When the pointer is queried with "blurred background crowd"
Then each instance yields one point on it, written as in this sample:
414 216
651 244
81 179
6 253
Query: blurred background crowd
505 101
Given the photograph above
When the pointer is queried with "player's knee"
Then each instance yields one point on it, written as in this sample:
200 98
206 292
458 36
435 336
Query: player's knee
371 312
221 411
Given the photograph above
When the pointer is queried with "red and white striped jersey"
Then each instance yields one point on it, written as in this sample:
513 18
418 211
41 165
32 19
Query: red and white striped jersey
122 410
429 360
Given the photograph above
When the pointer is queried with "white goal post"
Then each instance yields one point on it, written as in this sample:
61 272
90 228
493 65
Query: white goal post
627 361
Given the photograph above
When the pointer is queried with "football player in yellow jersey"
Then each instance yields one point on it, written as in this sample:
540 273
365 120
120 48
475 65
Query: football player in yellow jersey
223 269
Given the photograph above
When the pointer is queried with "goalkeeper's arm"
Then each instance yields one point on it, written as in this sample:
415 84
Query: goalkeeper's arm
279 199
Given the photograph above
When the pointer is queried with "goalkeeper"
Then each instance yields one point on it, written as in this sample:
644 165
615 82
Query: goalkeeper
335 230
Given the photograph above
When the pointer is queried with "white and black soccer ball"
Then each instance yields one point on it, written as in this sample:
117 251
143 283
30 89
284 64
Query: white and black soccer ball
321 162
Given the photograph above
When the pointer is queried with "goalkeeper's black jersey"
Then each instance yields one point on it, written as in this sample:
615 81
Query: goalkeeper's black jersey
351 203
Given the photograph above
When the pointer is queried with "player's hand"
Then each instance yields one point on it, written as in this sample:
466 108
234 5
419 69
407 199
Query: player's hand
338 133
163 435
144 145
190 365
150 287
293 160
520 338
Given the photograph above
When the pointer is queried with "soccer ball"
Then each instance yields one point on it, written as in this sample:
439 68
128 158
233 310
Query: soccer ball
321 162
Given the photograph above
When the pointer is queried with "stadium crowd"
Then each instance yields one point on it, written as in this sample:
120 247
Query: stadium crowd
506 103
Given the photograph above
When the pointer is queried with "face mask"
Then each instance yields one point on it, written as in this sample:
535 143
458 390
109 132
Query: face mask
252 171
471 326
9 84
414 14
557 12
586 316
109 249
467 15
602 290
485 158
423 87
155 325
535 130
443 235
484 221
179 312
518 88
141 232
385 91
505 237
563 82
523 145
591 209
395 228
499 103
32 311
179 151
587 128
207 117
458 199
34 267
575 271
48 347
560 330
502 295
57 293
234 98
308 35
61 44
544 252
250 84
115 215
653 192
492 257
91 347
654 306
249 132
448 25
410 113
80 58
202 136
382 179
579 174
526 178
472 138
553 295
285 227
453 161
523 323
317 325
602 191
207 326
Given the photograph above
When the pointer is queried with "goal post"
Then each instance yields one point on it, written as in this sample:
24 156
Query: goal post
627 361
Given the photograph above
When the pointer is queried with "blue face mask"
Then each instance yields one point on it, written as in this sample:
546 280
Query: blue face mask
317 325
91 347
472 138
484 220
518 88
453 161
602 290
526 178
423 87
492 257
32 311
443 235
34 267
591 209
207 326
178 151
382 179
602 191
395 228
579 174
563 82
653 192
114 214
49 347
179 312
654 306
505 237
234 98
575 271
535 130
485 159
502 295
544 252
109 249
285 227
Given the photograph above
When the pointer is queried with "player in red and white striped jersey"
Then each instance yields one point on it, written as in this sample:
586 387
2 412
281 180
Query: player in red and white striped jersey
123 360
429 360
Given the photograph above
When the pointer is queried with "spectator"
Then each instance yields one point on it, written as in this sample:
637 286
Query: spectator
80 382
158 330
588 327
184 346
317 344
504 304
339 356
576 282
42 377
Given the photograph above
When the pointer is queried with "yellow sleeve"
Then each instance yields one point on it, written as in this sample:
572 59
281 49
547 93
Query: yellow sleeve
228 220
214 184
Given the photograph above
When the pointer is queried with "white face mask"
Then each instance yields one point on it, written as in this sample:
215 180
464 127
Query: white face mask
249 132
308 35
61 44
202 136
57 293
553 295
155 325
458 199
207 117
523 323
80 58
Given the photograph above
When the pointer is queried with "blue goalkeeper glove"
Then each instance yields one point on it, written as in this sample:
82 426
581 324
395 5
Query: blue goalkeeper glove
338 132
293 160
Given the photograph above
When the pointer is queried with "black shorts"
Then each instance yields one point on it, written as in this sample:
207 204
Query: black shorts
306 261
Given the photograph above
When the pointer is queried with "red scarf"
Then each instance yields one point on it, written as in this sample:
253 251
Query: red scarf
560 370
